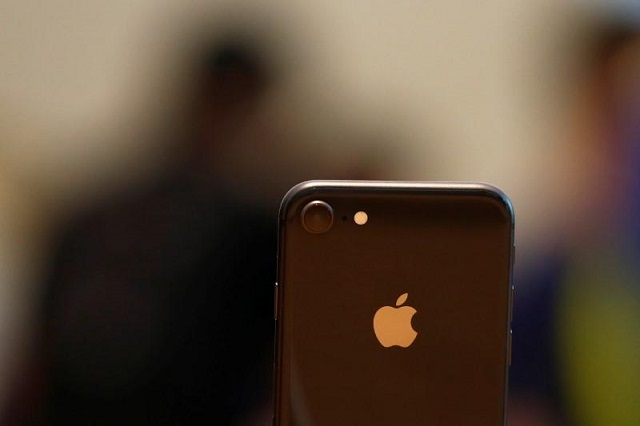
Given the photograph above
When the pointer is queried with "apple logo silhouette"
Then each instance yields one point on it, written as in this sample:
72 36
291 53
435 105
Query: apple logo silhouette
392 326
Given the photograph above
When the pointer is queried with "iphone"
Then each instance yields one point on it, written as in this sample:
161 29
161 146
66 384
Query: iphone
393 304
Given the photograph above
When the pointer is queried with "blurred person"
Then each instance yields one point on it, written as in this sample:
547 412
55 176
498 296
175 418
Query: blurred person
576 344
159 305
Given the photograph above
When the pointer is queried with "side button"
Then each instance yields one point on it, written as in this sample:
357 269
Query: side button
275 302
509 348
512 302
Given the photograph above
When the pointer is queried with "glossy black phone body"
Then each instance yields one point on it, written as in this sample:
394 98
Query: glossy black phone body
443 250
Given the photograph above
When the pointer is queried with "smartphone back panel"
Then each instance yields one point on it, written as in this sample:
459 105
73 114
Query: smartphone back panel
404 320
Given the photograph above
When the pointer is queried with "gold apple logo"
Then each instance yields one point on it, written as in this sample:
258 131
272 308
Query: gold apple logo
393 325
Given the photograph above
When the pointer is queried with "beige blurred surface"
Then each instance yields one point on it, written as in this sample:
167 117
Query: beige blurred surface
463 90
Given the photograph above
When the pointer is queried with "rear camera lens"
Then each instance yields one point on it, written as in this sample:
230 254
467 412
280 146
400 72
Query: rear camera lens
317 217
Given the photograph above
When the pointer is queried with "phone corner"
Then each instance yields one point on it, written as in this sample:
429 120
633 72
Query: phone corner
294 193
505 203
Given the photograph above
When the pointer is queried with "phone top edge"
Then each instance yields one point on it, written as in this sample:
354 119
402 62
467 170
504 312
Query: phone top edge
311 186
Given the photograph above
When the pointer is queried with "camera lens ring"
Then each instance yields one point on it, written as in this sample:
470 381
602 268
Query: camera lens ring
317 217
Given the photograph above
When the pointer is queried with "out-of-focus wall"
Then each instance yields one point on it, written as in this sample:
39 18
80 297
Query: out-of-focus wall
456 84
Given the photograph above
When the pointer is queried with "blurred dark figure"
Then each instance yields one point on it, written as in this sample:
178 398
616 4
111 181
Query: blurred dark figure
576 341
159 306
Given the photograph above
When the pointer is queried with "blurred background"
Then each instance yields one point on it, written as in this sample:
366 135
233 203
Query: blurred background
144 147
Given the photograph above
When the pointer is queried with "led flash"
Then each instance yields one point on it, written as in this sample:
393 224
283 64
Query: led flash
360 218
